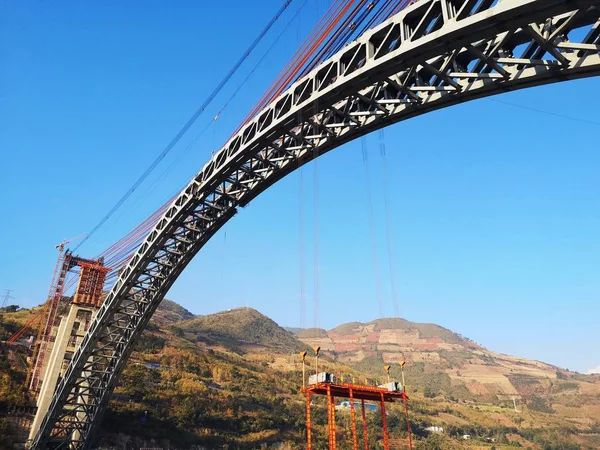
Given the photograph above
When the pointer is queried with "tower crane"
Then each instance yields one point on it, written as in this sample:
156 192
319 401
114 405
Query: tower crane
42 314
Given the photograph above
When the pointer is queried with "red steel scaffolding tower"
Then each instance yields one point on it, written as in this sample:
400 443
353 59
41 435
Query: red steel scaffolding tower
89 293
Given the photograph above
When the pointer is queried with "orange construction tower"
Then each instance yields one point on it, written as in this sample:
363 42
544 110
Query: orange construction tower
88 293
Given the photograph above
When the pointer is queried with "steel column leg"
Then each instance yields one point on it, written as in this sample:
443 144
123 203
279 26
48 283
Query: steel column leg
353 415
329 416
333 427
365 433
308 425
407 422
386 439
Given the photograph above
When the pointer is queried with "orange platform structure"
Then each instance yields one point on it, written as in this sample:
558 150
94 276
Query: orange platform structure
327 384
91 282
352 392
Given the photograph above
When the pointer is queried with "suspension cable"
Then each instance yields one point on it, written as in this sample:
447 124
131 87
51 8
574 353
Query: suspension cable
316 242
388 223
327 36
142 229
374 253
302 55
188 124
301 220
301 249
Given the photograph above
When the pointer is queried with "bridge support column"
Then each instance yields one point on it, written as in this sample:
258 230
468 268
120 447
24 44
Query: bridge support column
71 330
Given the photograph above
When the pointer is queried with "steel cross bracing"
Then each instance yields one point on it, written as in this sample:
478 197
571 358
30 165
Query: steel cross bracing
433 54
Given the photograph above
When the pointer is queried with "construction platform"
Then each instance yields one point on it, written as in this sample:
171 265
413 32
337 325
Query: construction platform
355 391
327 386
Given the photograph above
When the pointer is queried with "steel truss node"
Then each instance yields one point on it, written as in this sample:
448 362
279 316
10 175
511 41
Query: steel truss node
433 54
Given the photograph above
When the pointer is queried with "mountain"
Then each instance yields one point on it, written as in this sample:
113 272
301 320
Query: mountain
392 340
170 312
438 360
231 380
240 329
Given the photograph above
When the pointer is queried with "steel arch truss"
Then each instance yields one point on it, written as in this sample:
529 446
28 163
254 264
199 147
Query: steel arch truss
434 54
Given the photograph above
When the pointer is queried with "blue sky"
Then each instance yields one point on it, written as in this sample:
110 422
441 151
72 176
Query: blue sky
494 208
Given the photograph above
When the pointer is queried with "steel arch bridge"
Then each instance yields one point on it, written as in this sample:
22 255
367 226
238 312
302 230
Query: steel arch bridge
433 54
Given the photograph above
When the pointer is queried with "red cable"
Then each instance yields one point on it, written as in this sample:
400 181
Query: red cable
292 65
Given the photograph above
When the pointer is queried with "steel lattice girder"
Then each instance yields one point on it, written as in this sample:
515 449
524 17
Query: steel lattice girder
433 54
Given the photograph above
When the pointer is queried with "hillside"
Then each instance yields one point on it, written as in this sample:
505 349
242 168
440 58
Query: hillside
228 381
460 365
242 330
446 367
170 312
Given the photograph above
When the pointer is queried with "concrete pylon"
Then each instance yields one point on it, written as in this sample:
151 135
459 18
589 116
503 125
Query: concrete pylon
71 330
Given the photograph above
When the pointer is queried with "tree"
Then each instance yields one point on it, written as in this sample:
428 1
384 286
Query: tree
10 308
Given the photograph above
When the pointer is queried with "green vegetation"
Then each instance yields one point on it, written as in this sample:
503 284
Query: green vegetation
238 327
213 399
10 322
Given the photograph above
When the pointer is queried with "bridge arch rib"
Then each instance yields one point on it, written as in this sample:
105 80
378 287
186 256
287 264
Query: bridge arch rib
434 54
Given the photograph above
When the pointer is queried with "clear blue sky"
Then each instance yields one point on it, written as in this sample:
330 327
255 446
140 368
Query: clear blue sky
494 208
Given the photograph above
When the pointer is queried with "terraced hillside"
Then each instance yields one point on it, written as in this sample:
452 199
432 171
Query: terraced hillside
443 364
